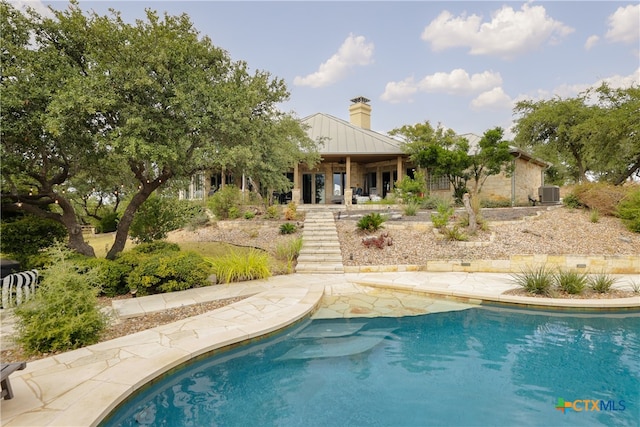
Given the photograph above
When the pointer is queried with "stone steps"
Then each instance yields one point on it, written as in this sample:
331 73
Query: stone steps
320 251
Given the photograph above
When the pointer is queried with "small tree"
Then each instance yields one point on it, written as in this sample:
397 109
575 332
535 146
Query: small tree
155 218
224 201
411 189
491 157
64 312
440 151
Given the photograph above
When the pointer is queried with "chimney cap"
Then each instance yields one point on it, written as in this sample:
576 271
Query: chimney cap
361 99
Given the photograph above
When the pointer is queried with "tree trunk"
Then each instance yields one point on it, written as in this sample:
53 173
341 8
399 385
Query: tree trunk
76 239
122 232
472 215
77 243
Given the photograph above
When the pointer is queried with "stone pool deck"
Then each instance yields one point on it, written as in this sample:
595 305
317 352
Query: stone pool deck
81 387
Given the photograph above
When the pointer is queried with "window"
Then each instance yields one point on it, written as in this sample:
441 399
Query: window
440 182
198 186
338 183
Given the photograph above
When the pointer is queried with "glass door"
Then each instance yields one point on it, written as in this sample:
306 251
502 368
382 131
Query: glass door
320 197
307 188
313 188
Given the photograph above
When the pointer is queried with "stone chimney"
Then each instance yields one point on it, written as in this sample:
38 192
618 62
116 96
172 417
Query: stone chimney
360 112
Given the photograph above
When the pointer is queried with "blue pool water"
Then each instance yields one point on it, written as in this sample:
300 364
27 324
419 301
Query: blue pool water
475 367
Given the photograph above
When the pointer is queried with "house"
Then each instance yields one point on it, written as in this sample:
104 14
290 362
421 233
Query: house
355 157
358 162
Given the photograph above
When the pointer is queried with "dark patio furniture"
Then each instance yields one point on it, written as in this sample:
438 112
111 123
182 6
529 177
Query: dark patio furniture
8 369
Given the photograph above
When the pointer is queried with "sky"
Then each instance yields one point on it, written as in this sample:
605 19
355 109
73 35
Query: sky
459 64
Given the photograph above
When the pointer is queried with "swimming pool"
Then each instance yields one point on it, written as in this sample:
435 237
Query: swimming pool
481 366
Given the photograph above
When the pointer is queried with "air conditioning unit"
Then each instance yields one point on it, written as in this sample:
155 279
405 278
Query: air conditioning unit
549 194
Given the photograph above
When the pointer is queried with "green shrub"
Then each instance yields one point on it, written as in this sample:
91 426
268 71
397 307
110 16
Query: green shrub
629 210
496 202
26 236
571 282
601 283
112 275
411 209
198 220
594 215
412 189
371 222
234 212
168 272
224 203
64 313
430 203
443 215
535 281
154 247
236 267
572 201
273 212
249 215
288 228
108 222
155 218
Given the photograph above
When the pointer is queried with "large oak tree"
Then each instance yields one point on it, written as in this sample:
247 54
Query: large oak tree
93 99
595 135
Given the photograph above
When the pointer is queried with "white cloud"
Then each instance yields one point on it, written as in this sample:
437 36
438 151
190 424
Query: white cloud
623 25
508 34
37 5
494 99
395 92
591 42
458 81
570 91
355 51
621 82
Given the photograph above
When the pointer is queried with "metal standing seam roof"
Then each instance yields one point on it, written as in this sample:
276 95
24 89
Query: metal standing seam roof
341 137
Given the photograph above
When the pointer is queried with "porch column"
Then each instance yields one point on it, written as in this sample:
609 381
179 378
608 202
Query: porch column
400 169
348 192
296 196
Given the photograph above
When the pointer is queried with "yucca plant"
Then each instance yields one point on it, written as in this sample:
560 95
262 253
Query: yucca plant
535 280
288 228
601 282
371 222
454 234
571 282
